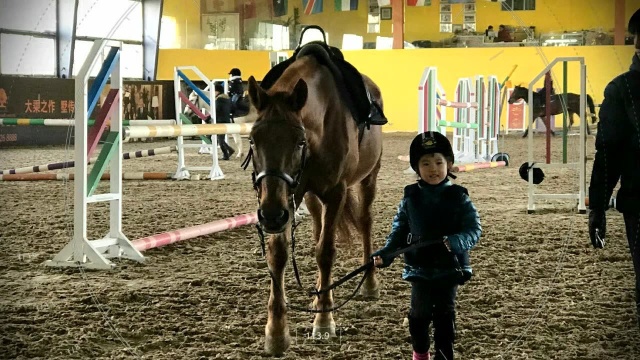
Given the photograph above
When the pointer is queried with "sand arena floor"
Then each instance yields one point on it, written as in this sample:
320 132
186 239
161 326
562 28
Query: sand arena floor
539 292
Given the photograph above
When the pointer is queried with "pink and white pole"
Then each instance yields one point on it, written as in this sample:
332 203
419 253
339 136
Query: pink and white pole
171 237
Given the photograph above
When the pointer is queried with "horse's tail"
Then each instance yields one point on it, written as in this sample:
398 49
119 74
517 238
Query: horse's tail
592 109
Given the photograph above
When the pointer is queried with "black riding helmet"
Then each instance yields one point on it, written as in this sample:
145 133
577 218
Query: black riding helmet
235 72
634 23
428 143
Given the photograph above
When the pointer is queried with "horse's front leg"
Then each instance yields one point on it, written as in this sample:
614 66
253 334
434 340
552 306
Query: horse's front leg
334 202
277 339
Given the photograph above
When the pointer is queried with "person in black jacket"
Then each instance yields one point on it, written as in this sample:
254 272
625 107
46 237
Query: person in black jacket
239 105
618 158
440 214
223 116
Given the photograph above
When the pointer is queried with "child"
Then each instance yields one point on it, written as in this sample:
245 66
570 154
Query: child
435 211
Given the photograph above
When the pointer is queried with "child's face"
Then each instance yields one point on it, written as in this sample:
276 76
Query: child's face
433 168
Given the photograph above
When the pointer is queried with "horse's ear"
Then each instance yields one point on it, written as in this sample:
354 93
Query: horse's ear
299 95
257 95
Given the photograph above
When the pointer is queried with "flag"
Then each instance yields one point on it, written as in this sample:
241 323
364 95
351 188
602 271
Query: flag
280 7
346 5
249 9
312 6
418 2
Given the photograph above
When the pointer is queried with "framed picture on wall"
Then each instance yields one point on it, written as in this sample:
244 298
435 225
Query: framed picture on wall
456 28
446 28
470 7
385 13
469 18
445 8
445 18
470 26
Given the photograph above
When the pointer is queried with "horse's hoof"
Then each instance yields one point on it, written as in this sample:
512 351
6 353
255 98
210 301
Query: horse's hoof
239 155
277 345
371 288
324 331
371 294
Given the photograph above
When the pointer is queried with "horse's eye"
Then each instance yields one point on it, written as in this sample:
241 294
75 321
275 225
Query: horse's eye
302 144
251 141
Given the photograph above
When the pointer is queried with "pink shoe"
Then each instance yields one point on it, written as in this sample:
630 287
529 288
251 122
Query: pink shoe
425 356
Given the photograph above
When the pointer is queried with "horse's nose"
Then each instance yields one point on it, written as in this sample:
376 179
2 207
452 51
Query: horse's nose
273 220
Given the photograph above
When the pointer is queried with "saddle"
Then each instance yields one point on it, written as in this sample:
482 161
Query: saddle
350 83
239 105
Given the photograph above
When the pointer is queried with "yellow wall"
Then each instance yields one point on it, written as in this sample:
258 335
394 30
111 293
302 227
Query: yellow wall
213 63
398 72
187 18
421 22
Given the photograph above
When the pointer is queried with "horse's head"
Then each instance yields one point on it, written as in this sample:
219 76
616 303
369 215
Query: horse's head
519 92
279 150
194 99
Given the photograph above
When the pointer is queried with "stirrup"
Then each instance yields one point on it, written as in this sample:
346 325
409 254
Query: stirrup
375 116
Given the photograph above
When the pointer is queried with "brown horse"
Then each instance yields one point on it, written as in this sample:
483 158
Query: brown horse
540 111
305 144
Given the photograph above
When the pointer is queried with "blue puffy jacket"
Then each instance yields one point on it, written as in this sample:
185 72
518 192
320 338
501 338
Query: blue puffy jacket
428 213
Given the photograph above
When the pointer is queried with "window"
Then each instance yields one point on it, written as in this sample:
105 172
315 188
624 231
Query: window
131 59
98 18
508 5
28 15
27 55
168 31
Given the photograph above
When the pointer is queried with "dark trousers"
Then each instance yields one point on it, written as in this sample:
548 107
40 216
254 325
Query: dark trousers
433 303
632 225
226 148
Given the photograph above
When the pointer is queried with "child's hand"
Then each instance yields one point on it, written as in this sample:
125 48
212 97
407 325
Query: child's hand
447 244
377 261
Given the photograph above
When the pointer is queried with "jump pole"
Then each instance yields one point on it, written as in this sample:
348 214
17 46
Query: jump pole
484 165
105 176
71 122
565 114
187 233
186 130
547 96
70 163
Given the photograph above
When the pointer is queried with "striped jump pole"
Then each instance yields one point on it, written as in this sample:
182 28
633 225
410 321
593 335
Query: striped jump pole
171 237
71 122
104 176
71 163
186 130
457 105
476 166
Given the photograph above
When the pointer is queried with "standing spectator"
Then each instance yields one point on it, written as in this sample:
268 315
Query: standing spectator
503 35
